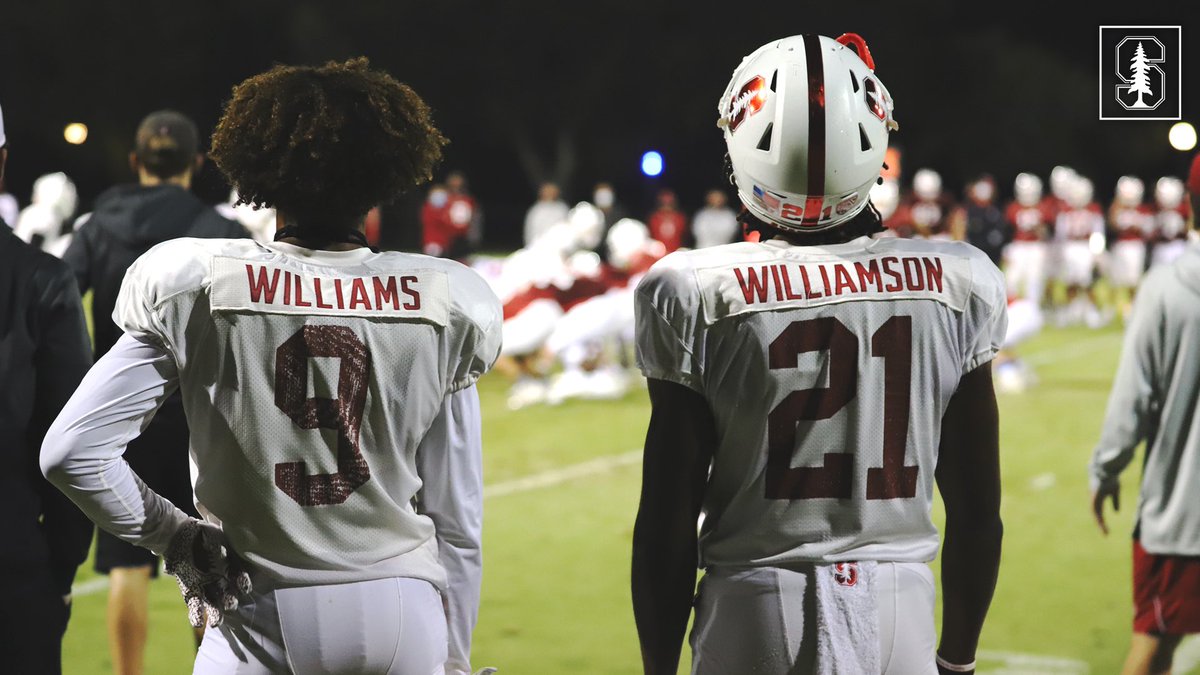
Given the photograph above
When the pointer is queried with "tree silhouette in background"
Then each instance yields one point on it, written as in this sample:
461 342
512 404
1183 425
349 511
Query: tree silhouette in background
1141 80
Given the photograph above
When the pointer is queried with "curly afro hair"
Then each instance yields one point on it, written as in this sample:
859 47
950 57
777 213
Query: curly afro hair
325 144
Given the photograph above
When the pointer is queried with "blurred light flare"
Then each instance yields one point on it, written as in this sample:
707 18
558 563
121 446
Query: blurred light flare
1182 136
652 163
75 133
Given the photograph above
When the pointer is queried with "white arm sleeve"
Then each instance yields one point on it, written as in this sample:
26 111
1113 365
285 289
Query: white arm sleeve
450 463
81 454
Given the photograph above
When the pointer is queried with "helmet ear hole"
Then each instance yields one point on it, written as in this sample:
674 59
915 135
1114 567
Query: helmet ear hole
862 138
764 143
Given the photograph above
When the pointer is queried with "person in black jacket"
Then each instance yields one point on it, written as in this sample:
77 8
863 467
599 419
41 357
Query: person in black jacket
44 353
127 221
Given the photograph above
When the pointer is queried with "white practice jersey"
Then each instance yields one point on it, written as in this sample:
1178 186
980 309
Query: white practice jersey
828 370
309 379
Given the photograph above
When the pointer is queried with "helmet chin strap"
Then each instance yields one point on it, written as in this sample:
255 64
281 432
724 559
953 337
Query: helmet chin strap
339 237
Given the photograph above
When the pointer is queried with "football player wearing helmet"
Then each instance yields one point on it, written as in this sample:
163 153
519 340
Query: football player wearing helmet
592 332
1170 221
42 223
1079 231
1028 215
808 391
1132 222
927 211
329 388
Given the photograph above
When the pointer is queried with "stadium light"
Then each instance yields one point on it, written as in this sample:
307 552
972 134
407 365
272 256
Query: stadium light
652 163
1182 136
75 133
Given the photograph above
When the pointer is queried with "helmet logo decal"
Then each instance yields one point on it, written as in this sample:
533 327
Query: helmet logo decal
877 99
749 100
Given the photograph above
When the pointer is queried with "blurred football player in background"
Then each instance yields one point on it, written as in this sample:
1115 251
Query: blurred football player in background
1025 256
1170 220
807 389
46 222
926 213
537 285
885 197
716 223
329 389
127 221
1131 222
44 353
590 338
1153 400
1079 235
1062 180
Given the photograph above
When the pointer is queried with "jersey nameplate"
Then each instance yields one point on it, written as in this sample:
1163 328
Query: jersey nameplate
783 284
250 286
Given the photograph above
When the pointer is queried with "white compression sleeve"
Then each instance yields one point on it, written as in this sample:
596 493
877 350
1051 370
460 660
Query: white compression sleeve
81 454
450 463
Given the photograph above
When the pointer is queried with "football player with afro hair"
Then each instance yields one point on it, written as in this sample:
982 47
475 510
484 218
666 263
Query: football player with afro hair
314 550
323 145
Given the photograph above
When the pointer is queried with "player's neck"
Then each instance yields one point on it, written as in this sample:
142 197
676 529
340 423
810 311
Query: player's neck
282 222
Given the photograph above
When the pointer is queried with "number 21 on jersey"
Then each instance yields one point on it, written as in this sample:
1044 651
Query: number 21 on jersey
892 344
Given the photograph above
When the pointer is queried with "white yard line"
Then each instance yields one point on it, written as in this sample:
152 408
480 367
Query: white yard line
535 481
1072 351
562 475
1016 663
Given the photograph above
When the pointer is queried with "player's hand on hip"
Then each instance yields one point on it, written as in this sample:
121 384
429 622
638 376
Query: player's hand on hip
210 576
1099 495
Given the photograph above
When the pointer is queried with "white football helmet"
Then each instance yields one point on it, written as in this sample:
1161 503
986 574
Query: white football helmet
1168 192
806 123
1060 181
57 192
927 184
587 222
1130 190
625 239
1028 189
886 197
1079 192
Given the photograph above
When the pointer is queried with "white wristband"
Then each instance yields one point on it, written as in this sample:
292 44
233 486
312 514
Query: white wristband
954 667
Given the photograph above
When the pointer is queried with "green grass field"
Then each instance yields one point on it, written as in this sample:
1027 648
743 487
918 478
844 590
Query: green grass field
563 485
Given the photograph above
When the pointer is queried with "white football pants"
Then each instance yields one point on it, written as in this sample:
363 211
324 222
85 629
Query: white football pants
1025 269
395 626
766 621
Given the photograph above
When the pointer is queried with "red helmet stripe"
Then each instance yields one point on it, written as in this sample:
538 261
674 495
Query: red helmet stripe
815 66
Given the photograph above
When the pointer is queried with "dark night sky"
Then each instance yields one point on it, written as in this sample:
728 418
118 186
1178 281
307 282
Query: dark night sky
532 89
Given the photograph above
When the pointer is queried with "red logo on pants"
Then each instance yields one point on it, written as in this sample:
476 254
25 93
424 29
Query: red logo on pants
846 574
